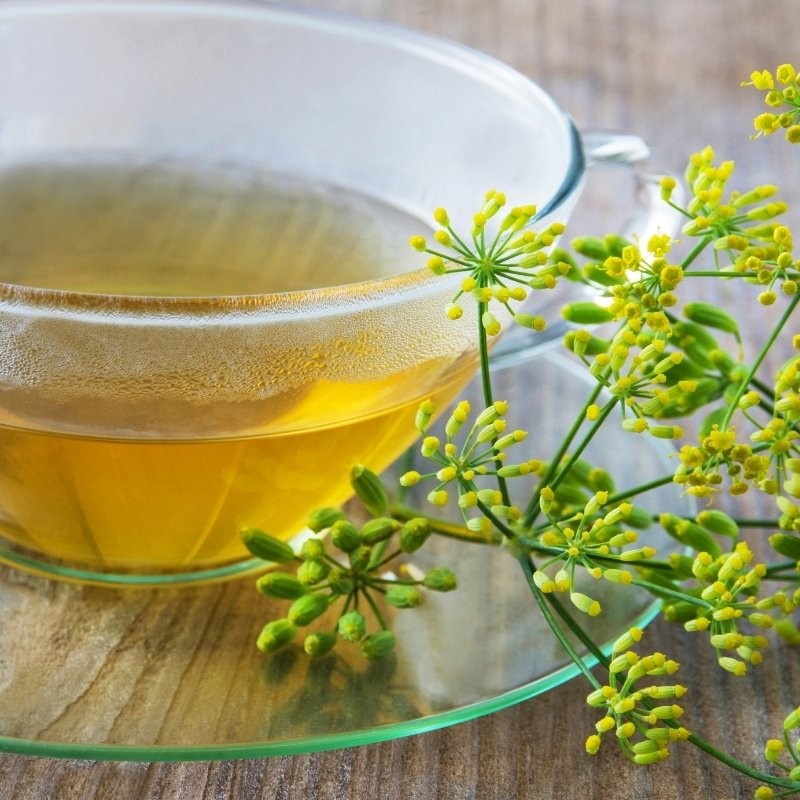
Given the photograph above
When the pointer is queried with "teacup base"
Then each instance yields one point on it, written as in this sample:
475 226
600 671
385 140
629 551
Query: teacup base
34 564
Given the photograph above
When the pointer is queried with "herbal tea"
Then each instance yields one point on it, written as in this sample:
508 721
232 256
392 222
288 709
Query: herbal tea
264 455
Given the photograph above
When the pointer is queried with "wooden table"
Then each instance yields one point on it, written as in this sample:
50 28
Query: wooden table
670 72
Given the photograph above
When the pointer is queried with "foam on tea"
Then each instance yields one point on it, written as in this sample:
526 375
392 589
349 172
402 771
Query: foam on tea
155 444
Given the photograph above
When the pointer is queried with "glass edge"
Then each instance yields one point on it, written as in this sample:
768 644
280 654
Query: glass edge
433 46
87 577
308 745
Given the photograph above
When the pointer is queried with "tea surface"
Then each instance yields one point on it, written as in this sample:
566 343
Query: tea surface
167 229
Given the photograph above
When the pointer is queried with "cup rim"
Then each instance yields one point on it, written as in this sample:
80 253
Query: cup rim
416 281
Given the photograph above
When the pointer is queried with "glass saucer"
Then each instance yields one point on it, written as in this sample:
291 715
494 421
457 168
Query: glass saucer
170 674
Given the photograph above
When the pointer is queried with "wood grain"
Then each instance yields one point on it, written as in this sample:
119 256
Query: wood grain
670 72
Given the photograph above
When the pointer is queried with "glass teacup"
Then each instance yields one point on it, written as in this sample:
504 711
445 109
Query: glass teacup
209 310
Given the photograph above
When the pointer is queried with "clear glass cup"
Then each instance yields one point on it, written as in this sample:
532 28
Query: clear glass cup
142 427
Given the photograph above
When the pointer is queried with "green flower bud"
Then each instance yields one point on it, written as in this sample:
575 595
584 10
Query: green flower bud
280 585
690 533
568 494
344 535
689 369
591 247
643 759
584 312
352 626
376 555
410 478
595 503
718 522
490 323
319 643
275 634
402 595
792 720
312 548
378 530
638 517
646 747
424 414
496 410
264 546
622 538
377 645
622 662
440 579
582 343
787 630
568 266
322 518
585 603
535 323
339 581
696 342
491 431
307 608
595 273
681 565
786 544
616 244
457 418
312 571
370 490
665 692
360 558
712 316
597 698
679 611
628 640
729 368
509 471
666 364
594 478
599 479
414 534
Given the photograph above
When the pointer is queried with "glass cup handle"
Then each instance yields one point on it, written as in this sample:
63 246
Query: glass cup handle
651 215
609 149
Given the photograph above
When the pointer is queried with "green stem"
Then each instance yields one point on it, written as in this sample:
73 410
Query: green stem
596 425
656 483
740 766
695 252
762 387
496 521
756 523
486 383
375 609
483 349
743 386
578 630
774 570
712 273
662 591
532 510
448 529
576 657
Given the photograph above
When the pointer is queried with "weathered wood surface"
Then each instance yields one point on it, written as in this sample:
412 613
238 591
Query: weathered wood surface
667 71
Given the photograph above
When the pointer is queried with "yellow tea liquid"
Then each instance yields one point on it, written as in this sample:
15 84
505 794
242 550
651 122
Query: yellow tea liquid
115 500
183 503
